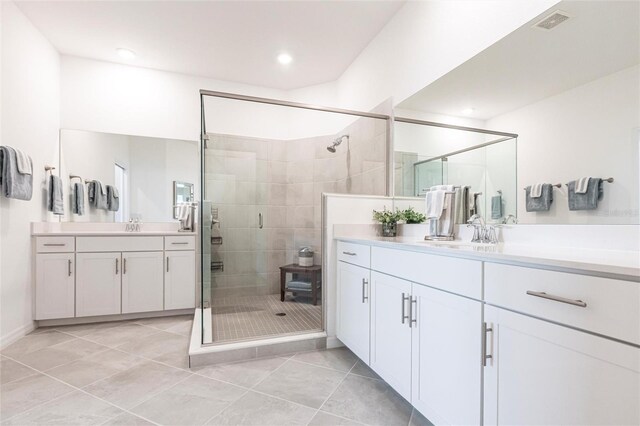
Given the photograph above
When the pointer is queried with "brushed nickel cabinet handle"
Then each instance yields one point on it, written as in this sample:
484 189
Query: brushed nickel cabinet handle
364 292
124 265
348 253
167 263
544 295
404 299
180 242
485 330
116 266
54 244
412 320
69 266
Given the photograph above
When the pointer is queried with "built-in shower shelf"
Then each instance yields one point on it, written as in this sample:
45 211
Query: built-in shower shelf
217 266
216 241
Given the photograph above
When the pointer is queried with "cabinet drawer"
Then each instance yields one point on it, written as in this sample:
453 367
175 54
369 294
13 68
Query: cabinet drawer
612 306
109 244
187 242
358 254
460 276
55 244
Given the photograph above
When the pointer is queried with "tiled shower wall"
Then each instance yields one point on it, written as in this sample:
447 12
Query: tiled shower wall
284 181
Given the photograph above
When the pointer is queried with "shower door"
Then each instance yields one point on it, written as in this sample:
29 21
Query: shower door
235 182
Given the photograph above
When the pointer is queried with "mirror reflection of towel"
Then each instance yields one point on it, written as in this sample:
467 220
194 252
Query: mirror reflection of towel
77 202
113 199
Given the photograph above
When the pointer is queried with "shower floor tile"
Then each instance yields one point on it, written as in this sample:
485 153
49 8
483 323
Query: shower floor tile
247 317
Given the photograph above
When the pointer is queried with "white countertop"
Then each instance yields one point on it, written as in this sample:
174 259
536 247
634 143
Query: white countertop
111 234
607 263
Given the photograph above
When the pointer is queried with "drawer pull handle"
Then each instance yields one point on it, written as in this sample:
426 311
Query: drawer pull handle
364 291
124 265
167 263
544 295
116 266
69 266
54 244
180 242
348 253
404 315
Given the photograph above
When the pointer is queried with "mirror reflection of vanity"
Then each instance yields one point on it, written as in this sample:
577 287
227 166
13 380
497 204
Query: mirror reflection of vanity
151 175
574 108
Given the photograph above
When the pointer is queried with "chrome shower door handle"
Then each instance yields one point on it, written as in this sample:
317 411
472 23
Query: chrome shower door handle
260 224
364 290
405 298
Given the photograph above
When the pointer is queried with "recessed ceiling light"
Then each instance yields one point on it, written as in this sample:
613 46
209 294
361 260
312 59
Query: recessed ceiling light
468 111
126 53
284 58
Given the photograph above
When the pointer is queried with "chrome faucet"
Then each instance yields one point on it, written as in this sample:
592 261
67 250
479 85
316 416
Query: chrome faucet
511 217
482 233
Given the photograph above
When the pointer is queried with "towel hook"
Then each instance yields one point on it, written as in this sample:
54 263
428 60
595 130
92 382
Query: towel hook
75 177
49 169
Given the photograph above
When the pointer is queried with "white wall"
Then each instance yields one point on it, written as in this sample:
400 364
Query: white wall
30 122
591 130
424 41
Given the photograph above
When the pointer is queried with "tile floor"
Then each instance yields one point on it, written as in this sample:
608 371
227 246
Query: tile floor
136 373
247 317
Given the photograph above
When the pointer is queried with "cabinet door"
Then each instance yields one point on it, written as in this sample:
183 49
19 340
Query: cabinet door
142 282
55 286
446 346
180 280
391 332
98 287
353 309
546 374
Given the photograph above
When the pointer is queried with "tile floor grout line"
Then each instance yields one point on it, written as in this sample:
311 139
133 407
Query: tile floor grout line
66 394
320 366
334 391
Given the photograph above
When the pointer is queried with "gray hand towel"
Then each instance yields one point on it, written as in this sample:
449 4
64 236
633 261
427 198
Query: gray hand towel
541 203
13 183
55 200
496 207
588 200
113 199
97 196
77 203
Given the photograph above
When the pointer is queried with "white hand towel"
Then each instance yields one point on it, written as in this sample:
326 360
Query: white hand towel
581 185
24 162
435 204
536 190
183 212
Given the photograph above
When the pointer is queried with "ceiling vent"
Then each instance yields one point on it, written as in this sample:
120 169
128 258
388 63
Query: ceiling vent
552 21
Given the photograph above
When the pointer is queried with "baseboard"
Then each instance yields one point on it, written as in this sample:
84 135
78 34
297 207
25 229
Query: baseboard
118 317
16 334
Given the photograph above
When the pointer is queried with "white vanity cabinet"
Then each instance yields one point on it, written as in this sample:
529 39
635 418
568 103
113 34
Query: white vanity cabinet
179 279
98 289
55 285
354 308
391 331
102 275
541 373
142 282
447 373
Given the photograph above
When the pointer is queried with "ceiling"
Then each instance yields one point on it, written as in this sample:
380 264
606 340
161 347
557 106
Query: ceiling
227 40
530 64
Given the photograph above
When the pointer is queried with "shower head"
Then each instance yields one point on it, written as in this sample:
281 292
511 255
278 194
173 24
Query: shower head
332 148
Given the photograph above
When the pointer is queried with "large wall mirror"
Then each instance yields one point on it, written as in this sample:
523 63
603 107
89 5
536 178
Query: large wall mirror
146 173
482 165
575 108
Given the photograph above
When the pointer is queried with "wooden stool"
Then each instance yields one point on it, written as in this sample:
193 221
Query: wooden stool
314 271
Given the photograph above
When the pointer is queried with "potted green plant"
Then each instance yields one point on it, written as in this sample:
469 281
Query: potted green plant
389 220
411 216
